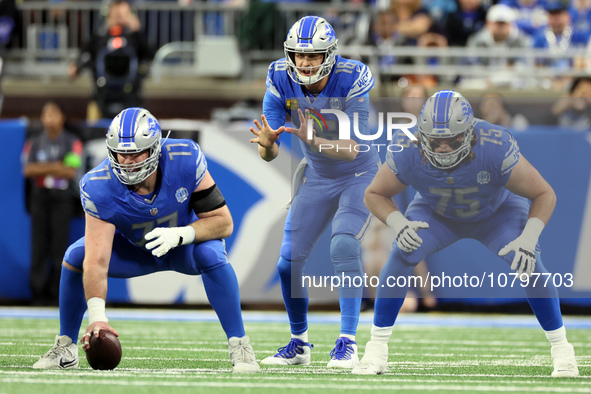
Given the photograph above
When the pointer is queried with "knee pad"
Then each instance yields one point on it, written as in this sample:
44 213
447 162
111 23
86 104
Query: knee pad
209 255
285 251
345 253
75 254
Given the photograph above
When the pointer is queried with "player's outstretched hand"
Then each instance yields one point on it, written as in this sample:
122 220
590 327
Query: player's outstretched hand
302 131
165 239
524 261
406 231
94 329
265 135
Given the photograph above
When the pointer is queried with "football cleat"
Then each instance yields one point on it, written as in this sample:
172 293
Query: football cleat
565 364
242 355
344 354
296 352
63 355
374 361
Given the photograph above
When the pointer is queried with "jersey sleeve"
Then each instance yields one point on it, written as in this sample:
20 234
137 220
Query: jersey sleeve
200 164
363 82
90 194
507 157
273 107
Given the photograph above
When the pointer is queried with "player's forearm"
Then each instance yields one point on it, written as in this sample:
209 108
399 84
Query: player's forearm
216 225
94 280
269 153
543 205
54 168
379 205
335 149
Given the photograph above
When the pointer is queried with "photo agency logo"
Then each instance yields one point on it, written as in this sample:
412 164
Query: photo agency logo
391 120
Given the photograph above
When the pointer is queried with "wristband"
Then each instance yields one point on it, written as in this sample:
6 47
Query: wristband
533 228
96 310
186 235
393 218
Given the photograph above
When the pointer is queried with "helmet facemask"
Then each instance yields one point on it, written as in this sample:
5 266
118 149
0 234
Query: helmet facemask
446 116
310 35
134 130
461 144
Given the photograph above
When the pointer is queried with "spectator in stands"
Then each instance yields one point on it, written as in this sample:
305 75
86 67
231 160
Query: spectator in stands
465 21
500 32
384 37
580 12
493 110
559 36
574 111
531 15
8 22
51 160
412 20
431 39
118 56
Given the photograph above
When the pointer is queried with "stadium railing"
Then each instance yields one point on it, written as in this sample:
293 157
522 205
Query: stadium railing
53 32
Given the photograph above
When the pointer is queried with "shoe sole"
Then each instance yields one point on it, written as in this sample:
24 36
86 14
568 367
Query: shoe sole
366 372
342 365
565 374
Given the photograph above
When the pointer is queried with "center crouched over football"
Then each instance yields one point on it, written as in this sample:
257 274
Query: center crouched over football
104 352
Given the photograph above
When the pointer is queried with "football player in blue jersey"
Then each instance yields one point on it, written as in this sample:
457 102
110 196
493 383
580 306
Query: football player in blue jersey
472 182
310 79
151 206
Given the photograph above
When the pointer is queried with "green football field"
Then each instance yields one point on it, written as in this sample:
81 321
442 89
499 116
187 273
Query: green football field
186 352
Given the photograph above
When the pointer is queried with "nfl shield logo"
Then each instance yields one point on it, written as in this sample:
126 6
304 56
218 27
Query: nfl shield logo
450 180
154 211
483 177
181 195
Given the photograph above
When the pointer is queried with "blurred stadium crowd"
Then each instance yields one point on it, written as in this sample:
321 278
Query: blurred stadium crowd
516 45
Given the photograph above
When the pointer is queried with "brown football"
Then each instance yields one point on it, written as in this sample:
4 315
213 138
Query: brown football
105 351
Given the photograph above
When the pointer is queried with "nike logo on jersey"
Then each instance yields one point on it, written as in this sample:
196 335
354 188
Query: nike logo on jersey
359 174
67 364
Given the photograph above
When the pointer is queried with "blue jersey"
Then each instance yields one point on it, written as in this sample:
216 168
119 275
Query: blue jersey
347 90
182 166
471 192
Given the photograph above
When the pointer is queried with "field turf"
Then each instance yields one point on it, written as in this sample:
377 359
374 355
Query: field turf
186 352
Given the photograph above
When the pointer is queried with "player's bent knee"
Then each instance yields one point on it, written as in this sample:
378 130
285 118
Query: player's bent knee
210 255
285 251
74 256
345 252
71 268
413 258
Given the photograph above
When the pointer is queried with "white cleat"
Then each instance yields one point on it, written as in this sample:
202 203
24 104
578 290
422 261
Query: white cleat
242 355
344 355
296 352
63 355
374 361
565 364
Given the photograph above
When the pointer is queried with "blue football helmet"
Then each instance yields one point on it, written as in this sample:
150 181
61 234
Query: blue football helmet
311 34
446 115
134 130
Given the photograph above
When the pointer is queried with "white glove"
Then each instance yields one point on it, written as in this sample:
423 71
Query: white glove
406 231
165 239
524 247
